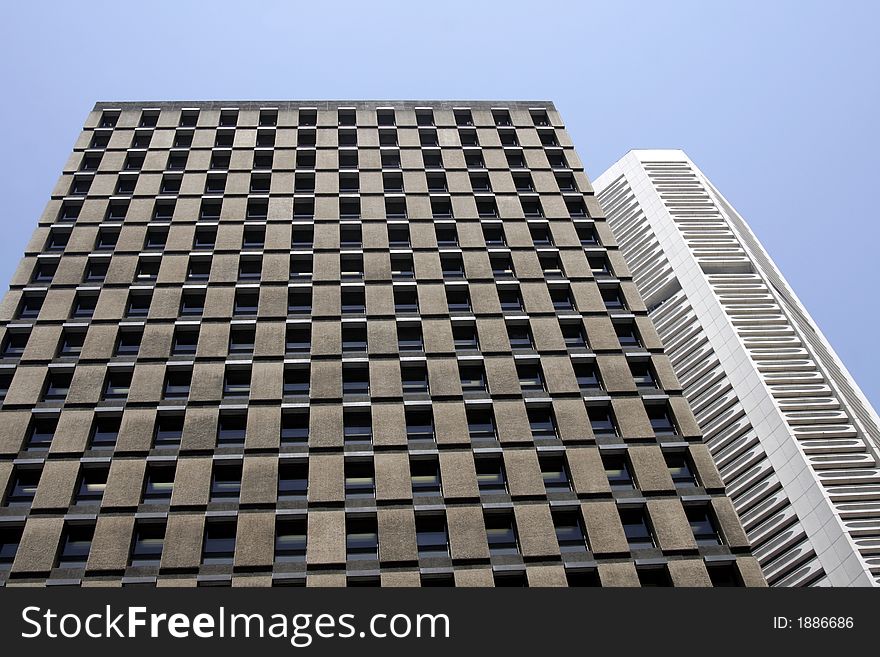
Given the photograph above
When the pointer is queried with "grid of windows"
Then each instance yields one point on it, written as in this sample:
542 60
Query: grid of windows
328 298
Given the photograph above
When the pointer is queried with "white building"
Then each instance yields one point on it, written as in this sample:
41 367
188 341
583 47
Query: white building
795 439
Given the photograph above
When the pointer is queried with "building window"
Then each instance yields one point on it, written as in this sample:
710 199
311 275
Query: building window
91 485
158 482
587 375
225 481
290 539
250 268
220 160
237 382
409 337
406 300
242 339
643 374
105 432
510 299
419 423
169 430
570 532
57 385
390 158
561 298
357 426
299 301
636 528
501 533
72 342
472 376
554 472
42 432
613 298
425 477
14 344
22 486
446 234
303 237
432 538
542 422
156 239
353 300
192 303
490 474
117 384
246 302
502 265
351 266
57 240
680 469
293 479
295 427
75 545
10 537
582 577
84 305
398 236
465 336
602 420
661 419
414 378
618 472
531 378
185 341
199 269
703 524
219 542
724 574
147 542
361 538
481 423
349 208
587 234
599 266
392 183
355 379
139 304
360 479
441 208
177 384
298 339
231 429
205 238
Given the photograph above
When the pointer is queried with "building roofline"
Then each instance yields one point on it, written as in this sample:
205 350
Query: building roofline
323 104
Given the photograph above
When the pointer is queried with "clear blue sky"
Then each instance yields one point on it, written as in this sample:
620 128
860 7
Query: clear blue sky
776 101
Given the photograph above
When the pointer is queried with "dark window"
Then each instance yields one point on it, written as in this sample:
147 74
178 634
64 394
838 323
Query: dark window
458 299
520 336
156 239
643 374
268 117
602 420
231 428
139 304
554 472
219 542
347 117
387 138
14 344
347 138
57 385
703 524
599 265
570 532
96 270
618 472
349 208
250 268
210 209
586 234
561 298
303 237
441 208
293 479
30 305
147 542
296 380
419 424
354 337
80 185
654 576
298 339
425 477
661 419
468 138
355 379
353 300
215 183
254 237
158 482
225 481
224 138
472 376
409 337
481 423
390 158
304 183
502 265
263 160
176 161
169 430
117 384
510 299
501 533
414 377
465 336
205 238
242 339
220 160
515 158
724 574
613 298
92 482
44 272
170 185
351 266
290 539
109 119
574 335
432 538
406 300
493 234
299 301
42 432
360 479
107 238
228 118
257 208
305 159
246 302
185 341
5 382
141 139
395 208
357 426
636 527
576 207
116 210
424 117
361 538
385 117
398 236
300 266
69 211
531 207
75 545
402 266
587 375
531 378
501 117
177 384
237 382
583 577
491 476
105 432
58 240
436 182
681 470
295 427
542 422
22 486
548 138
486 207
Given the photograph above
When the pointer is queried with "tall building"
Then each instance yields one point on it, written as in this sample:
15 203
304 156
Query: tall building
342 343
794 438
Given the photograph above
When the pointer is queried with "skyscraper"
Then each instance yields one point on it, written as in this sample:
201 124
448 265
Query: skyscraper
342 343
793 436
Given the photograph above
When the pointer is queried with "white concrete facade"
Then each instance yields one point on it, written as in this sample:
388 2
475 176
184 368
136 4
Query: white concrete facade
795 439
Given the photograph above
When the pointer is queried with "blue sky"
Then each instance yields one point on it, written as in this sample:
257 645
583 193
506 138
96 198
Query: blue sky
775 101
